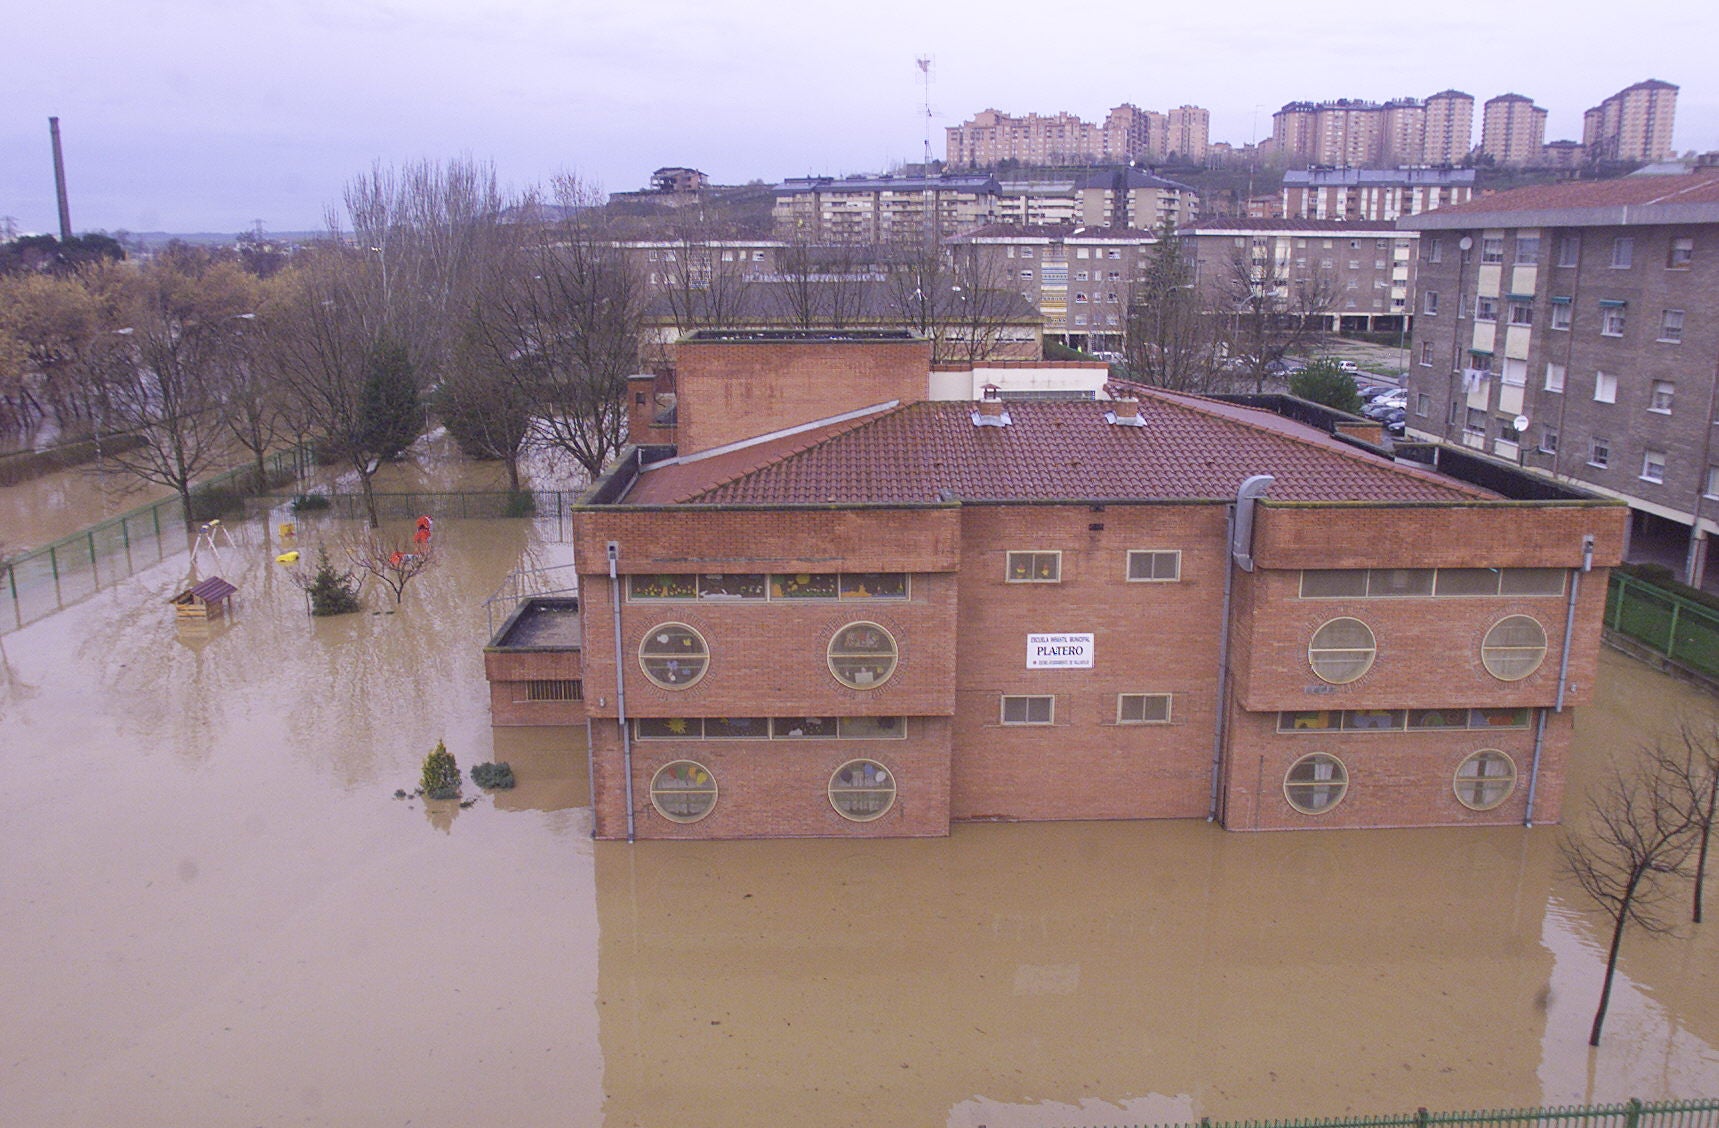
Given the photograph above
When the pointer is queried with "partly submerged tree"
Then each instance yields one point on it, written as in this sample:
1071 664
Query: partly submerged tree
1639 834
1692 763
393 564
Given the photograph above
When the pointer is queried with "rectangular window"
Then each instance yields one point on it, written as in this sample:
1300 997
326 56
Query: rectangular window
555 690
1026 252
1423 404
1527 250
1661 396
1080 276
1142 708
1429 303
1398 583
1154 564
1515 373
1434 250
1476 422
1611 320
1026 274
1600 453
1682 254
1426 354
1467 581
1492 248
1034 567
1653 466
1333 583
1486 309
1113 254
1521 313
1028 710
1605 388
1623 252
1560 313
1712 489
1671 325
1548 441
1569 249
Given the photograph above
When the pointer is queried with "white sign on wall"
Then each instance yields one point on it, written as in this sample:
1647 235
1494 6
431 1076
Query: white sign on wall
1059 652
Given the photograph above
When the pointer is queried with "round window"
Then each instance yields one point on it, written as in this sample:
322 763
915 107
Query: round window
862 655
1342 650
1513 648
1315 783
862 790
683 791
1485 779
673 655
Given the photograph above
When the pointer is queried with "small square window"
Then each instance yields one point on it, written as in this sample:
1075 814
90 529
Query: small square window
1154 565
1554 377
1561 314
1034 567
1671 325
1527 250
1521 313
1569 249
1142 708
1029 710
1605 388
1429 303
1548 441
1492 248
1653 466
1486 309
1600 453
1612 321
1663 393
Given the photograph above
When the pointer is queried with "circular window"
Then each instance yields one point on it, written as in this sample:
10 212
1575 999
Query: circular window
1314 784
1342 650
683 791
862 790
862 655
673 655
1485 779
1513 648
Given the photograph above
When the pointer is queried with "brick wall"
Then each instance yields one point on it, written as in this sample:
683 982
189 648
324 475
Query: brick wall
733 391
510 671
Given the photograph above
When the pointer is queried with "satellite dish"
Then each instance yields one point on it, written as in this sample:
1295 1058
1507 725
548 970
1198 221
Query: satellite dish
1465 243
1520 423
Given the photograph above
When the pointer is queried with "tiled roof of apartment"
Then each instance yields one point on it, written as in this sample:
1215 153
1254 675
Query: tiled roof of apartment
1188 449
1228 224
1689 197
1043 232
1336 177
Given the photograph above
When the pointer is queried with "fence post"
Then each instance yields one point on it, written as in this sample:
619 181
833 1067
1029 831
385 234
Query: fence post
1421 1117
1623 594
1632 1112
1671 632
54 562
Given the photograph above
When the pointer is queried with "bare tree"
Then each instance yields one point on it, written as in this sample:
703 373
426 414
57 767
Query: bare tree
1267 313
1171 339
1692 763
703 283
392 564
167 385
1640 833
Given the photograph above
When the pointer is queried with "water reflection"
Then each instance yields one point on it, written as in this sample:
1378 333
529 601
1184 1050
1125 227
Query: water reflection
219 914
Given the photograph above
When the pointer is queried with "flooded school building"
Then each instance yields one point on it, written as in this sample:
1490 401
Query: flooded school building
833 589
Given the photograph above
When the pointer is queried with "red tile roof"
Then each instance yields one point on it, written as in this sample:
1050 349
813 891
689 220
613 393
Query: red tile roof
1189 449
1700 187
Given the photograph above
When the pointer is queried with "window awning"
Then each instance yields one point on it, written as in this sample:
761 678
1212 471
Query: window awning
1520 297
1560 301
1612 303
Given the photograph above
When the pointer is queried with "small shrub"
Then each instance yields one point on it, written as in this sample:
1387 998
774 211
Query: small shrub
496 777
522 503
331 592
1321 382
310 503
441 775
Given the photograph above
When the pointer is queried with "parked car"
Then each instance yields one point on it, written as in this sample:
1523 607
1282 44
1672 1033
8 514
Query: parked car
1348 366
1284 367
1395 400
1397 422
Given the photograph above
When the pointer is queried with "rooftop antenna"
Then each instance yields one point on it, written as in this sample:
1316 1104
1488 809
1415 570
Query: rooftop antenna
924 62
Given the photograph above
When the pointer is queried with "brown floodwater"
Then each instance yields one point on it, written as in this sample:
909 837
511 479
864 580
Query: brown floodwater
216 913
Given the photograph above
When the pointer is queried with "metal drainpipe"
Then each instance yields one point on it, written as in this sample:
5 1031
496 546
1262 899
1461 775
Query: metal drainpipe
1563 673
621 686
1239 535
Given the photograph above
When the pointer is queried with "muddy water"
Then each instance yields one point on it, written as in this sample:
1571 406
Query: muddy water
217 914
59 504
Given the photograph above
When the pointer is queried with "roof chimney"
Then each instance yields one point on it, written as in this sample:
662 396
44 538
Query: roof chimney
1125 413
991 412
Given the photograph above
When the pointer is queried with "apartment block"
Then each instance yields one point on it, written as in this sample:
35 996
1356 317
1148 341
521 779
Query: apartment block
1080 279
991 136
1355 275
827 606
1372 195
1189 133
1569 328
1512 130
1449 133
873 210
1635 124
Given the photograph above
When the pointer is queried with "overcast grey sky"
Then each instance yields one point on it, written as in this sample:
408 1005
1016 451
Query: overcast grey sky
204 115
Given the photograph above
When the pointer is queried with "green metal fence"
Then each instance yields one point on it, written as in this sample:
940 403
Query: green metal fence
483 504
1683 630
1629 1114
37 583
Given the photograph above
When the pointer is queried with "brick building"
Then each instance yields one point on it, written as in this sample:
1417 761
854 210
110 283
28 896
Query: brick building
1080 279
1128 133
1581 306
873 210
832 607
1356 275
1352 133
1512 130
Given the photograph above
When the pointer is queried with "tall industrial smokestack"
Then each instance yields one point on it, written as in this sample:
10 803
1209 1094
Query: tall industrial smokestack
60 182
